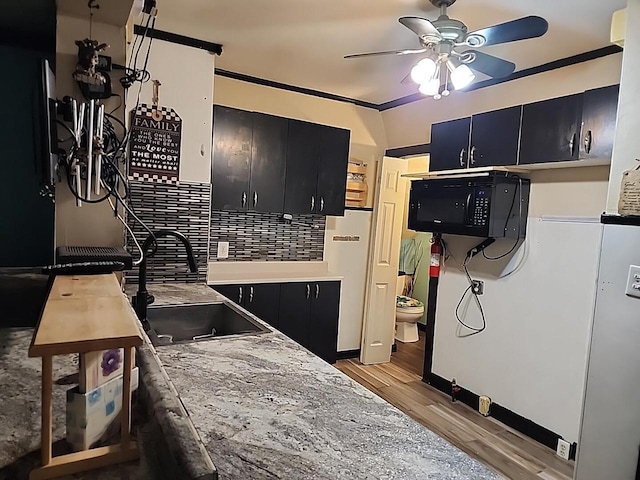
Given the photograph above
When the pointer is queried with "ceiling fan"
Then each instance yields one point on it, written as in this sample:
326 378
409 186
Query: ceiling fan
440 40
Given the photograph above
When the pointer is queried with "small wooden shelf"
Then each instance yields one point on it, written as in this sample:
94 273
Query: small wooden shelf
83 314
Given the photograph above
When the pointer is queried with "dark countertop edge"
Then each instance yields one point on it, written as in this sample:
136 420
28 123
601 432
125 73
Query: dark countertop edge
179 433
620 220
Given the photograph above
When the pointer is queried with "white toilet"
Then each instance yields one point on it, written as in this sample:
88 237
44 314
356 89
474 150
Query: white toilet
408 312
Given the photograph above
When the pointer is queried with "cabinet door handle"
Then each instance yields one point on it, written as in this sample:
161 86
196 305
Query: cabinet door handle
588 140
317 291
244 199
239 294
462 153
255 198
473 155
572 143
251 294
321 204
308 291
313 202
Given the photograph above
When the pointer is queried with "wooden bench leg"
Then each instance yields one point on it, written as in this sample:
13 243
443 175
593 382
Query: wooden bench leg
47 383
125 426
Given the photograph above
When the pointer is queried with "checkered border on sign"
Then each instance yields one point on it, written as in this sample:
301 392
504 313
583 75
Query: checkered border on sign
151 177
166 112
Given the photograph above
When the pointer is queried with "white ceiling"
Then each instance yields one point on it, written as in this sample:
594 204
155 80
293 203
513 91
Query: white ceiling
302 42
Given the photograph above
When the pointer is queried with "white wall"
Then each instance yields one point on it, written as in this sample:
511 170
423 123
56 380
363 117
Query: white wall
532 357
186 77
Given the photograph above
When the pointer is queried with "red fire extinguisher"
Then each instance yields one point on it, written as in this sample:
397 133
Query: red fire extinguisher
436 257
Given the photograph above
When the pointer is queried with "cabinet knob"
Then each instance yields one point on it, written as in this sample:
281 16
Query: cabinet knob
255 198
317 291
313 202
473 155
462 154
308 291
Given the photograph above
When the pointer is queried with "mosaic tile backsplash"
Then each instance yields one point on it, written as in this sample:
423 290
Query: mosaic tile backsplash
183 207
254 236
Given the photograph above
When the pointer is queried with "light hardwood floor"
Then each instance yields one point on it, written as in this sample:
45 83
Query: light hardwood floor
502 449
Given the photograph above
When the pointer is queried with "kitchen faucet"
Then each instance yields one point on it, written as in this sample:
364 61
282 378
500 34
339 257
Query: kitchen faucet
142 298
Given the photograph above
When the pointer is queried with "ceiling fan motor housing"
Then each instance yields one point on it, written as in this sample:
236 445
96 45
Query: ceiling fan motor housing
440 3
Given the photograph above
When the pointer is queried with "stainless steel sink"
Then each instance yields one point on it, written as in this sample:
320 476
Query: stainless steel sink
197 322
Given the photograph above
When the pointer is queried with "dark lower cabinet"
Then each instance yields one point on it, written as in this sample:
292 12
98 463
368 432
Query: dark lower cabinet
495 138
263 300
325 308
295 311
551 130
306 312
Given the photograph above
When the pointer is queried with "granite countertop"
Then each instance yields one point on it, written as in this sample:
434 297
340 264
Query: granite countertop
265 408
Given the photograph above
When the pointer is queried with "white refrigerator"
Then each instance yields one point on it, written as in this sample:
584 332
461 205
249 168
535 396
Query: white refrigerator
347 251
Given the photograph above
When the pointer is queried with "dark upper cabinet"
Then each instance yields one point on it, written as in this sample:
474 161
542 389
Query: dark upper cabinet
301 183
248 164
268 159
551 130
325 309
265 163
450 144
495 138
295 311
317 158
599 114
231 158
333 159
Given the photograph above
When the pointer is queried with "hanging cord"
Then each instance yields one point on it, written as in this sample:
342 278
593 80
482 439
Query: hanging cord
135 240
474 330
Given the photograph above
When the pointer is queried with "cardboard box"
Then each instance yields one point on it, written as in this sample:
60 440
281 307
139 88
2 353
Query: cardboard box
97 368
94 416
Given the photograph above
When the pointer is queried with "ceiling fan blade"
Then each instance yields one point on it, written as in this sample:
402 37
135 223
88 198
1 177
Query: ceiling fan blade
489 65
390 52
521 29
420 26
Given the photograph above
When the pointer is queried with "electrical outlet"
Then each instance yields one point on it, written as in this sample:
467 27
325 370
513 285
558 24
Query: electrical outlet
633 282
484 405
563 449
223 250
477 287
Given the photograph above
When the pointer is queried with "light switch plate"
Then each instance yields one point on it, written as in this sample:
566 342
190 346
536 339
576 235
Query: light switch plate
223 250
633 281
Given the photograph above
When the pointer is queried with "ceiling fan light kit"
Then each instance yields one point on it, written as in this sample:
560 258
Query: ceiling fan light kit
439 40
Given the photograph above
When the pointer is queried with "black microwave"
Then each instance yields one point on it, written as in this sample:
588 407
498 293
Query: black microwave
492 206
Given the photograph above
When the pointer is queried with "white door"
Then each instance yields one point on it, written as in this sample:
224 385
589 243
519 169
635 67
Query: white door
380 307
